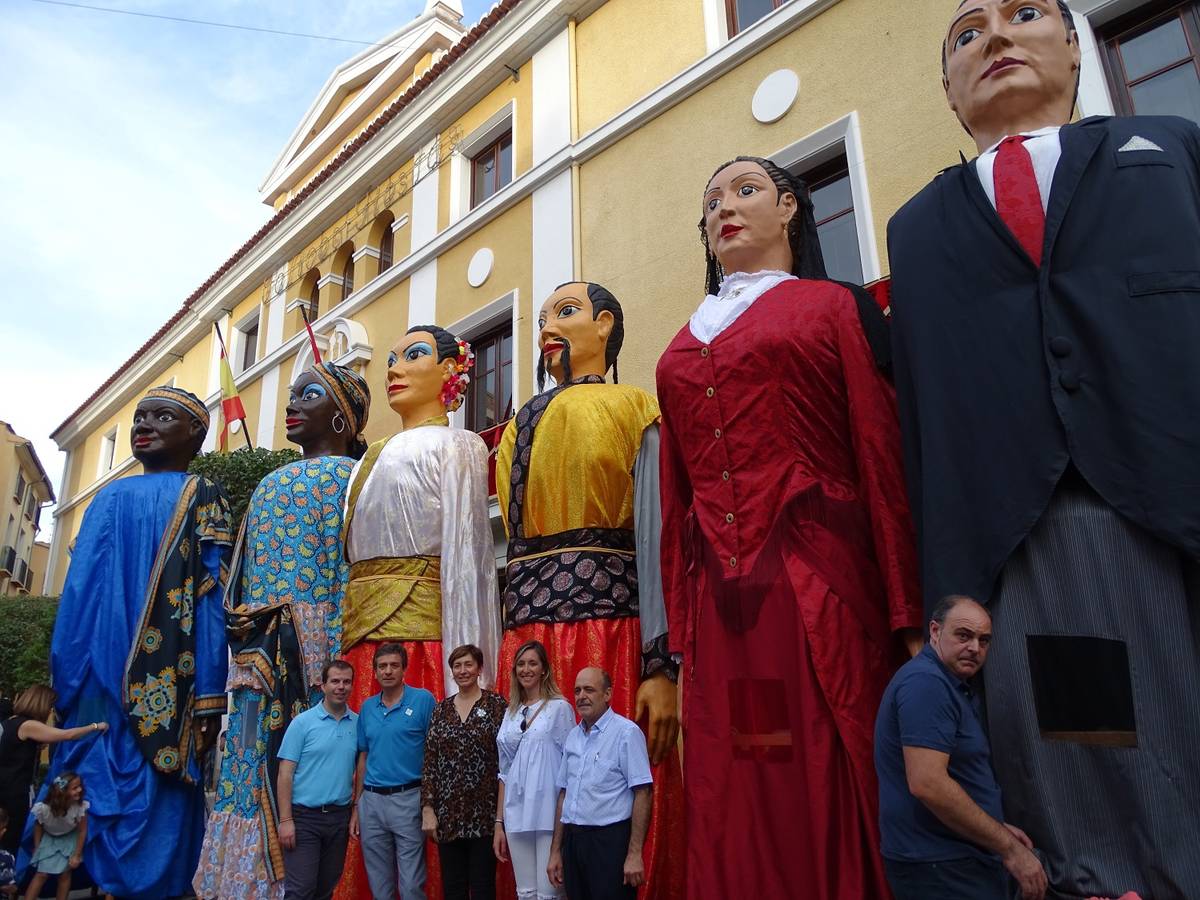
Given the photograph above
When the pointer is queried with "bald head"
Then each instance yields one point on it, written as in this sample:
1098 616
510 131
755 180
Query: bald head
593 694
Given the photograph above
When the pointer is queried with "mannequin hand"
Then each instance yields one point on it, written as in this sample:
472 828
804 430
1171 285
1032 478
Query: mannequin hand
914 640
659 697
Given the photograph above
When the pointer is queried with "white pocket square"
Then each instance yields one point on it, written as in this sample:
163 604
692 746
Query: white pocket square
1139 143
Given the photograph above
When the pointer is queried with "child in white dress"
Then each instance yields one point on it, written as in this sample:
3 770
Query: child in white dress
58 835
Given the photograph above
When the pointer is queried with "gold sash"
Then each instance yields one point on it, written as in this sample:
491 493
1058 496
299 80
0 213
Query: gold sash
393 600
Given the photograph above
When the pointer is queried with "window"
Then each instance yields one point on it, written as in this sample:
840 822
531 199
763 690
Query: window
489 396
741 14
314 300
833 209
348 275
491 169
19 490
108 448
249 339
1152 58
386 243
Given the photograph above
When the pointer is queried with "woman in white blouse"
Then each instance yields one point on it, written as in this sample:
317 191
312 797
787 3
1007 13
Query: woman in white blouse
530 742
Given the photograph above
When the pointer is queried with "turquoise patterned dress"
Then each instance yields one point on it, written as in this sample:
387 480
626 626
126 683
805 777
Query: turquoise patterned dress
292 559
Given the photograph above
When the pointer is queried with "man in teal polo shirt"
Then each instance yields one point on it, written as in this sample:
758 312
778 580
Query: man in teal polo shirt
391 747
315 787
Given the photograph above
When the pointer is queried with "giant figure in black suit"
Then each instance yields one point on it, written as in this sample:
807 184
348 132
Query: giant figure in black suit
1047 365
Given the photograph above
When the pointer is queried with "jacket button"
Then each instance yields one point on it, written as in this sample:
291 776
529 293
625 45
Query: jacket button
1069 381
704 351
1061 347
709 392
716 432
725 475
733 562
729 518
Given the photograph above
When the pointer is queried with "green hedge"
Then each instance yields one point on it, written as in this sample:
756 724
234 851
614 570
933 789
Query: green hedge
25 641
240 472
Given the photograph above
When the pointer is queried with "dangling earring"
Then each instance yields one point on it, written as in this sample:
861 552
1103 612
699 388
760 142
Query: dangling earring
339 423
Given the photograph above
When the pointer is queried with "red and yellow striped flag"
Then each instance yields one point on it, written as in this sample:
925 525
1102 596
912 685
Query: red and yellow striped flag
231 402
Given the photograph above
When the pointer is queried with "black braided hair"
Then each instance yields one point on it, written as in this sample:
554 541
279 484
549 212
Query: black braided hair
807 260
447 343
601 299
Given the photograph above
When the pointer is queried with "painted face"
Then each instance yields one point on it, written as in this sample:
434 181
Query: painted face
465 671
310 409
962 642
746 218
565 323
415 377
591 696
389 670
529 673
337 685
163 430
1007 58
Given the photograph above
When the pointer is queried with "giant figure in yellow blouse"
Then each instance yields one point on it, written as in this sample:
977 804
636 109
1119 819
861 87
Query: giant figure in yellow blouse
577 481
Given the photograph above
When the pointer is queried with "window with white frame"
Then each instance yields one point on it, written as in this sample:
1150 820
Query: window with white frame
1152 59
108 449
741 14
483 162
833 210
247 342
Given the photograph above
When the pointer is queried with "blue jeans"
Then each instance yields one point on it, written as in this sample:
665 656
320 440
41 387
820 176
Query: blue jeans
970 878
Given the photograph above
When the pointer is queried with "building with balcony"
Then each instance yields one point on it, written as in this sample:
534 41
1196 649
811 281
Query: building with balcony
456 175
24 490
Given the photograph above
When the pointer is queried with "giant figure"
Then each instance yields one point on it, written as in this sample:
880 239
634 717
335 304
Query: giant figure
1045 335
139 642
577 482
788 560
284 622
418 538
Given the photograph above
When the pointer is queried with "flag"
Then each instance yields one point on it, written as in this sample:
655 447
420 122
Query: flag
231 402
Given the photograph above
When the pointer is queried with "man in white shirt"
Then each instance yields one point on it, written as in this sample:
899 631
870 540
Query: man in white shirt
604 799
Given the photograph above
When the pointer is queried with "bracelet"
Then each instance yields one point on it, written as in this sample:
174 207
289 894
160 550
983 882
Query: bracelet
281 821
95 726
499 821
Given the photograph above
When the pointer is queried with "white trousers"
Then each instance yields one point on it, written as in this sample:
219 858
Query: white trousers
530 853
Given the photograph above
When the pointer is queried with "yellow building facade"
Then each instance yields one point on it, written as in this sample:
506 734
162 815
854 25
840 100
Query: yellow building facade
24 490
456 176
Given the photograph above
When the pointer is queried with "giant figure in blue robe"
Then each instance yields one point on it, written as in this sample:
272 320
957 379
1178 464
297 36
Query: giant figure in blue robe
139 642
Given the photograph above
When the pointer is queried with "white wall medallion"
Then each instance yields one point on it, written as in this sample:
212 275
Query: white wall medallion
775 96
480 266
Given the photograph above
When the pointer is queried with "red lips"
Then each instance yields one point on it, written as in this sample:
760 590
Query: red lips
729 230
141 441
1004 62
291 422
552 347
395 388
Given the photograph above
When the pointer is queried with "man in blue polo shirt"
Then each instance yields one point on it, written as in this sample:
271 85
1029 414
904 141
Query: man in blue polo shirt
943 830
315 786
391 748
604 799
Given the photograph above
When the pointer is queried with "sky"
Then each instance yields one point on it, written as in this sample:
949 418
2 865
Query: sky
131 151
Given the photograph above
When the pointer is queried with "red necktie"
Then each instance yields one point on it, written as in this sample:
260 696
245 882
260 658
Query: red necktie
1018 201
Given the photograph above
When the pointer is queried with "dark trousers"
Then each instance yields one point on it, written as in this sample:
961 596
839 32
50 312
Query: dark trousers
594 861
468 868
312 870
956 879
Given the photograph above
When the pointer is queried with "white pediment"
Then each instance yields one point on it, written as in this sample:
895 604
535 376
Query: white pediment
370 77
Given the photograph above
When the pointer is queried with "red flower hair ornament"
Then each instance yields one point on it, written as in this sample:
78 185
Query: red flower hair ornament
456 384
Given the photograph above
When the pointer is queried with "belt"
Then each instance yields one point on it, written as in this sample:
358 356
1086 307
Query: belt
327 807
397 789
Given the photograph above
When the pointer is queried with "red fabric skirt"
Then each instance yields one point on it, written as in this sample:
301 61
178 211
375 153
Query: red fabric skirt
781 690
425 671
615 645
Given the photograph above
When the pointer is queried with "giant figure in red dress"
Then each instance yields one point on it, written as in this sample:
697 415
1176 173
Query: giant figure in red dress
788 561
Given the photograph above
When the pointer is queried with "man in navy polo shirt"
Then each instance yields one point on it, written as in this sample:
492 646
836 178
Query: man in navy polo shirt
942 824
315 786
391 748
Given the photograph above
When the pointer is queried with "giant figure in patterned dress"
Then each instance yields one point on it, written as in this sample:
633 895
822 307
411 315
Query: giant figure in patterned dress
284 621
418 538
577 481
139 643
788 559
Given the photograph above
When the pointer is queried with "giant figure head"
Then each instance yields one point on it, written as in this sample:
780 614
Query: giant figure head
581 328
327 411
169 425
427 374
758 217
1010 66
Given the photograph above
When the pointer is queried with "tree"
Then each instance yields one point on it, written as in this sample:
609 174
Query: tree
25 641
240 472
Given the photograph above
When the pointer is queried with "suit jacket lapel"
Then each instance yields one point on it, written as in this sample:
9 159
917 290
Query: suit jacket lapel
1079 145
985 209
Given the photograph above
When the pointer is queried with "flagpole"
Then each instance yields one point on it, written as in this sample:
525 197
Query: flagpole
225 353
312 338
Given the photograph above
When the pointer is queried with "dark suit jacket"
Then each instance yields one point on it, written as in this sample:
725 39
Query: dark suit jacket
1006 373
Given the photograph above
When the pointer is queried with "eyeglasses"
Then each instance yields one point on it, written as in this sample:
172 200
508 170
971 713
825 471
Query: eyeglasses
524 718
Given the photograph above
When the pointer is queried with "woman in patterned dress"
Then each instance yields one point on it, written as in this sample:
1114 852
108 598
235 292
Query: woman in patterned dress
460 780
283 614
